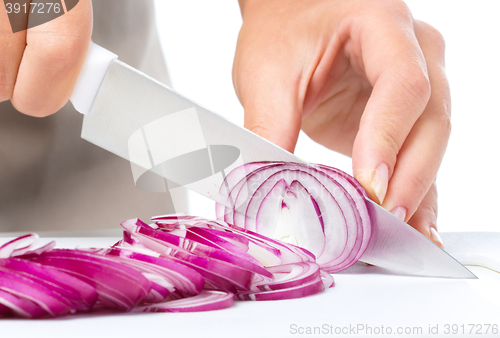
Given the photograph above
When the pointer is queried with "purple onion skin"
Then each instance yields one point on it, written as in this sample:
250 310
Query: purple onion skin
247 186
56 282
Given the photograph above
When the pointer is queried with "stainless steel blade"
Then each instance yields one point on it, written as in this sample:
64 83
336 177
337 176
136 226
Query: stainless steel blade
145 122
128 101
397 246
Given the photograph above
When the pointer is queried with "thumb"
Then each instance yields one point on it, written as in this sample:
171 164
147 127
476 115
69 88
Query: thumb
268 91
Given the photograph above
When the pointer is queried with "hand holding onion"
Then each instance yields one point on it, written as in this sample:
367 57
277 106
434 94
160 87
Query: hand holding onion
360 77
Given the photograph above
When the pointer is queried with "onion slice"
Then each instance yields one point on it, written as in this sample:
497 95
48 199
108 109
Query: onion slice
119 286
180 263
304 290
327 279
268 251
185 281
20 306
11 249
24 287
78 294
205 301
289 275
176 246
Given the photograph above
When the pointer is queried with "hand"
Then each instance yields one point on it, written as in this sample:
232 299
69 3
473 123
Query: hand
360 77
39 67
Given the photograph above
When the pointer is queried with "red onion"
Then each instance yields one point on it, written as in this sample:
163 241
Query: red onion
205 301
20 306
4 311
299 278
317 208
22 286
289 275
10 249
283 229
77 294
178 264
118 286
185 281
299 291
268 251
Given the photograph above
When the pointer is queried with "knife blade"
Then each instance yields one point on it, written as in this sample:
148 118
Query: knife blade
397 246
134 116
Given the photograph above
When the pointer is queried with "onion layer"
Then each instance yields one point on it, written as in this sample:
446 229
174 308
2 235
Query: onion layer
319 208
177 264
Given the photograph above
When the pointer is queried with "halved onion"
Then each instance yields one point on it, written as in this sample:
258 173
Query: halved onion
317 208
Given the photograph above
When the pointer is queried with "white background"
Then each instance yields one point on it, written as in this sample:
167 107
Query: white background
199 39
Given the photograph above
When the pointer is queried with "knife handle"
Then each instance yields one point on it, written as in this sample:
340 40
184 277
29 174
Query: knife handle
93 71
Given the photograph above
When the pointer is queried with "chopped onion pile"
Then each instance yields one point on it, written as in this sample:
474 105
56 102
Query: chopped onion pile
319 208
176 264
310 222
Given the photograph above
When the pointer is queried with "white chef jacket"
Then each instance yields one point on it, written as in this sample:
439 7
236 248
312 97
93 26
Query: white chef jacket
50 178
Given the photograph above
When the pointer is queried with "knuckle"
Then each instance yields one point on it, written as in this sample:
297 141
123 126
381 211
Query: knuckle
391 141
386 10
415 82
419 83
400 7
64 49
441 115
418 186
395 6
259 128
273 133
444 121
434 36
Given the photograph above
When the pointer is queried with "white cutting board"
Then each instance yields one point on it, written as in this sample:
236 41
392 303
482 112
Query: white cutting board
364 295
474 248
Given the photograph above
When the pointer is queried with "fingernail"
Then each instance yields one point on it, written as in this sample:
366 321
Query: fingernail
399 212
435 237
380 180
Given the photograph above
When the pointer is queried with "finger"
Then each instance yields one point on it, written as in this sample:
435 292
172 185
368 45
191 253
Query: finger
396 68
267 87
54 55
12 47
420 157
425 218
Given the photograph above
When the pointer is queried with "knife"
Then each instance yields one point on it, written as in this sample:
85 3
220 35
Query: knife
134 116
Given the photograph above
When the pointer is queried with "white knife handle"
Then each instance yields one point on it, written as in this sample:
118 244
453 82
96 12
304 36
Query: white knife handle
93 71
